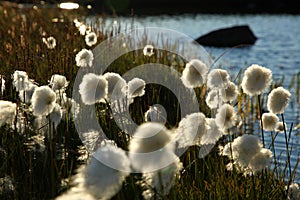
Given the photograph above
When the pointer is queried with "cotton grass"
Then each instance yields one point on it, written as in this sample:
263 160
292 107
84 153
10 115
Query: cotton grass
91 39
58 82
160 166
260 161
115 85
243 149
226 117
84 58
8 112
102 177
136 87
148 50
43 101
269 121
151 148
93 88
217 78
213 133
248 154
106 171
213 99
82 28
156 113
20 80
229 93
191 129
149 137
256 79
278 100
194 74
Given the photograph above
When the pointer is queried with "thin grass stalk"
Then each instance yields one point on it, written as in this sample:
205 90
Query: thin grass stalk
295 170
287 145
251 115
260 119
290 131
273 148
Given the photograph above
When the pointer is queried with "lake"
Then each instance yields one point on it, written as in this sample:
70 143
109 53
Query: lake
277 47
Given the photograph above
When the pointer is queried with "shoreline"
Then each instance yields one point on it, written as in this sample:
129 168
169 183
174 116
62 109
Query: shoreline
156 7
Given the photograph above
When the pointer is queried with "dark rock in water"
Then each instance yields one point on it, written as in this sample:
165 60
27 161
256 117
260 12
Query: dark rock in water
228 37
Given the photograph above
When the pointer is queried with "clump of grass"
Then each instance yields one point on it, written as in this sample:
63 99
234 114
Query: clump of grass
41 166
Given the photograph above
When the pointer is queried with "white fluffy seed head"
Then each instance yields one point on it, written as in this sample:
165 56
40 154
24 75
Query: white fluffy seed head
136 87
213 99
278 100
269 121
244 149
247 145
93 88
149 137
84 58
194 73
230 92
8 111
151 148
217 78
106 171
260 160
148 50
156 113
226 117
248 155
91 39
20 80
256 79
191 129
58 82
43 101
213 134
115 85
